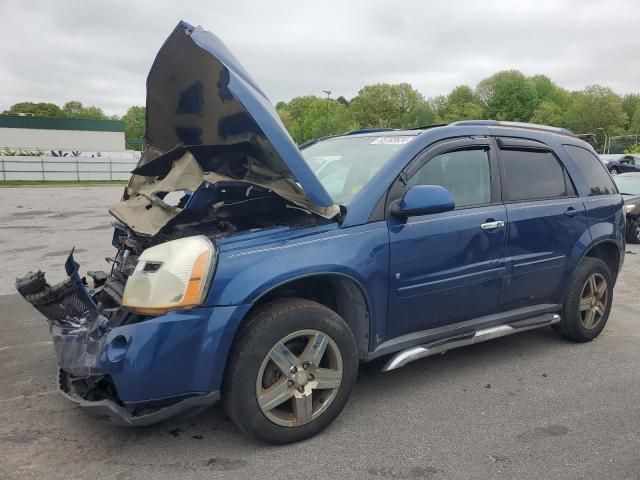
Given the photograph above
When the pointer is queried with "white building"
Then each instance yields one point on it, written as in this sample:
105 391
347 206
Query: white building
47 134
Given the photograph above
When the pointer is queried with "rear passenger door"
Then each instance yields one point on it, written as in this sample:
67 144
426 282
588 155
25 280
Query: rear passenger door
546 219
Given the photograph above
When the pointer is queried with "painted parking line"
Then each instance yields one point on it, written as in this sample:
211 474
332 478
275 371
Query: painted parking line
9 347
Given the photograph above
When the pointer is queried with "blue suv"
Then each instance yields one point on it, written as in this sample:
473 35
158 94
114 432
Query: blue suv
252 271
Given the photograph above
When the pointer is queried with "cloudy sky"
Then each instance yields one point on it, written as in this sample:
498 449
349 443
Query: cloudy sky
99 52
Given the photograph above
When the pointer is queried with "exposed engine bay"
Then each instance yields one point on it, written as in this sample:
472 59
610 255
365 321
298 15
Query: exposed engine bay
181 200
169 198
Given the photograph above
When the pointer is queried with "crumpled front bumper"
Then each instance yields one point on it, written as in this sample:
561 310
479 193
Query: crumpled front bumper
125 417
154 369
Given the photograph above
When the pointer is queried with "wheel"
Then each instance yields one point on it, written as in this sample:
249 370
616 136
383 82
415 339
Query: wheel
613 171
588 303
633 232
290 372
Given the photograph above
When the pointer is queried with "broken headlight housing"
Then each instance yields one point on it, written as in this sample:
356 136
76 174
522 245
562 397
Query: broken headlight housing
170 276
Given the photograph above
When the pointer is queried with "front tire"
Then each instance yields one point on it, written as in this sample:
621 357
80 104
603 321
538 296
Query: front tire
588 303
291 371
633 231
613 171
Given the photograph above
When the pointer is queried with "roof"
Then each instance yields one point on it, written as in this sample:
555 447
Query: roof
55 123
480 123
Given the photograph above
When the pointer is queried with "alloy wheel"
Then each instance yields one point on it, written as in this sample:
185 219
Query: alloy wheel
299 378
593 301
637 231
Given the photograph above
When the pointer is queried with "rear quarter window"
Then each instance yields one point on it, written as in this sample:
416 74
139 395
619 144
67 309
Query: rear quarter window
592 169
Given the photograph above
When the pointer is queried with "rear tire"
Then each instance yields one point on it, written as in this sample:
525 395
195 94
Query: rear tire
588 303
291 371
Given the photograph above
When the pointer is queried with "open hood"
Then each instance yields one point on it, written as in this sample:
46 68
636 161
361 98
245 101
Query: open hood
198 95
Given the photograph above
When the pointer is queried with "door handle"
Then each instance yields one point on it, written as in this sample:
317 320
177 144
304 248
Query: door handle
571 212
492 225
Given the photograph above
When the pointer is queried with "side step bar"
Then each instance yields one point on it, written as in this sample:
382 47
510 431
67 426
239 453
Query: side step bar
408 355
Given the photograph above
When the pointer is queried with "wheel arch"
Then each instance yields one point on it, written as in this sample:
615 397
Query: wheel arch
608 251
341 293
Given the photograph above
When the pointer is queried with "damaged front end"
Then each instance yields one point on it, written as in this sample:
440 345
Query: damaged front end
91 347
125 350
137 344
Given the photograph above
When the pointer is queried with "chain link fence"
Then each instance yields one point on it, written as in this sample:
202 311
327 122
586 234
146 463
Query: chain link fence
620 143
49 168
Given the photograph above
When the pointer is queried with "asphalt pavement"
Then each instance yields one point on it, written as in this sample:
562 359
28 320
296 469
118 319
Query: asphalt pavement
529 406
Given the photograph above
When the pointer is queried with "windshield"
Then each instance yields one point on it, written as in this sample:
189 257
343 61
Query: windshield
628 185
345 164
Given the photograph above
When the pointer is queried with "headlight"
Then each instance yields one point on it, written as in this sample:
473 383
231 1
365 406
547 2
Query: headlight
629 208
172 275
606 162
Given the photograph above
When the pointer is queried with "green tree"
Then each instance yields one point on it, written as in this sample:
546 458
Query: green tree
75 109
461 104
549 113
634 124
630 104
633 149
313 117
386 105
134 123
508 95
35 109
596 107
72 109
546 90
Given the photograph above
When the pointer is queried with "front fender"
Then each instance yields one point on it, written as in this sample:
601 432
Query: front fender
360 253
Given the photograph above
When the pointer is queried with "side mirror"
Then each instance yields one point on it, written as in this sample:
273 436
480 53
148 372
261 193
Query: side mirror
423 200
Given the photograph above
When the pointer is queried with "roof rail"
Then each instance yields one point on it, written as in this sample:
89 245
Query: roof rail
426 127
529 126
368 130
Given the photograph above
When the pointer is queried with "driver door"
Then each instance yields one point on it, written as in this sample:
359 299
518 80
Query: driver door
448 267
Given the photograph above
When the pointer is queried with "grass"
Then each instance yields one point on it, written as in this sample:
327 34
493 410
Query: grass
53 183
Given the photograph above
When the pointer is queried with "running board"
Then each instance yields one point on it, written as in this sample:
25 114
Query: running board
403 357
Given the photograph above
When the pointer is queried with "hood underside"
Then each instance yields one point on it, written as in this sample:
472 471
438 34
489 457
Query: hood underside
208 121
189 171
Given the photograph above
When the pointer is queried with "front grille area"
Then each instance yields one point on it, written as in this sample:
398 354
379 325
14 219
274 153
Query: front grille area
59 303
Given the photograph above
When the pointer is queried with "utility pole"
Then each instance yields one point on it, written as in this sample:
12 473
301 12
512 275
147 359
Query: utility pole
604 148
326 121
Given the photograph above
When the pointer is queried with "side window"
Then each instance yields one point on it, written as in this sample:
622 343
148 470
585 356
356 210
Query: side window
465 173
592 169
531 175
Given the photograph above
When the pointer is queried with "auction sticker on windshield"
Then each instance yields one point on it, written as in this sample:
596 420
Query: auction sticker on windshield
398 140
